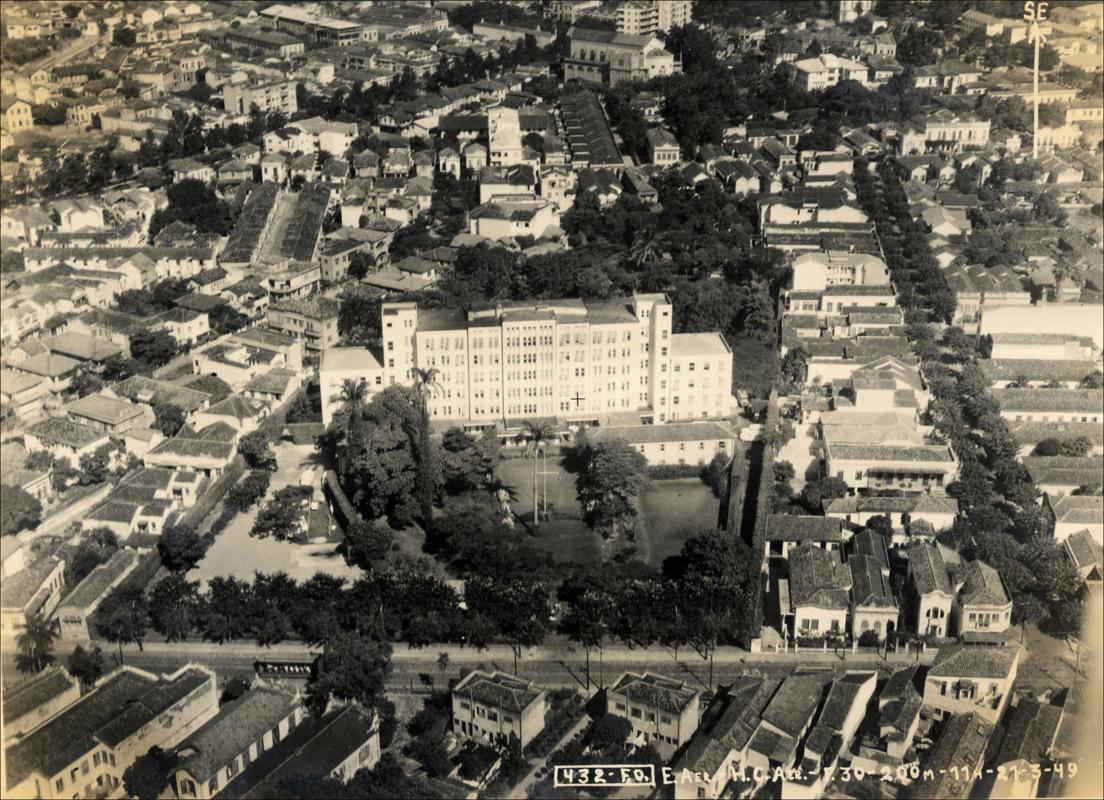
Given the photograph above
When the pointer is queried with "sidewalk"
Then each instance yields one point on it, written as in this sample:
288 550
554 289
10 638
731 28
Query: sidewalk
522 788
552 652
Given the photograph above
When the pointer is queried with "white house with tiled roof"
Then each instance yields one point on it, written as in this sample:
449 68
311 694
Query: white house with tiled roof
873 606
109 414
1050 405
937 510
86 748
1086 556
1074 513
662 711
971 679
207 451
982 605
954 764
931 590
687 443
818 592
784 532
495 706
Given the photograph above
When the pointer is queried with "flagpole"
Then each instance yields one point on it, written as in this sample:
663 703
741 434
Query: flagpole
1035 137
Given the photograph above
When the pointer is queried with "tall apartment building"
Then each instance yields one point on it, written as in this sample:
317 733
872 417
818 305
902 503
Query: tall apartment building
504 136
651 16
611 58
587 363
277 95
571 10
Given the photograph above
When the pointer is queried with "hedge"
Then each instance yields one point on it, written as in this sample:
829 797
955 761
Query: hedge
344 512
661 472
206 503
763 501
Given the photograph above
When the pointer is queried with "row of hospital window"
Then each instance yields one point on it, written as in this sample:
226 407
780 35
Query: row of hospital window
1059 418
682 446
704 400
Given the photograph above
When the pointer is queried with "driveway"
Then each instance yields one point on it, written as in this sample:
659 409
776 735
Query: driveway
236 553
803 452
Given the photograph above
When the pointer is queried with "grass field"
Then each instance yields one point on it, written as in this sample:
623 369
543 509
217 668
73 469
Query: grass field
672 511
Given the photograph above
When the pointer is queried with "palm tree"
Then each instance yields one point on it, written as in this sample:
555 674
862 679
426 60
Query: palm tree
425 384
537 435
645 247
36 645
352 393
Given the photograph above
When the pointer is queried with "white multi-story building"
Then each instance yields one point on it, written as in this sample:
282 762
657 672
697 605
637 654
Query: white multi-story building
276 95
651 16
579 362
504 136
824 71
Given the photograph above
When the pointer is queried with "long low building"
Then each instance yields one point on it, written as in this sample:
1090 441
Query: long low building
1051 405
682 443
1035 372
890 466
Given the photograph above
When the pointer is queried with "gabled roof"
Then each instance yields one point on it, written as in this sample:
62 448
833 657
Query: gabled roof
1083 551
238 724
65 432
1067 400
118 707
1029 731
962 744
1071 509
29 695
1066 471
656 691
873 545
101 408
793 705
499 690
983 585
818 578
728 724
316 747
973 662
929 573
237 407
803 528
869 586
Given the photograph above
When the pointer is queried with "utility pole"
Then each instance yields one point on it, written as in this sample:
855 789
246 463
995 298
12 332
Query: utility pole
1034 13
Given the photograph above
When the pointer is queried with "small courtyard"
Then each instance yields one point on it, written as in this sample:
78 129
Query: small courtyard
235 553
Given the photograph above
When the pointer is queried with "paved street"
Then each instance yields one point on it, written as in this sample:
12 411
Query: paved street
557 663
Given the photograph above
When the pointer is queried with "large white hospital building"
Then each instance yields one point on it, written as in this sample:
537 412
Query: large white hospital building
610 363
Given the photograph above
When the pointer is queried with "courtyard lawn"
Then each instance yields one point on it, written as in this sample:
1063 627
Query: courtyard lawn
564 534
673 511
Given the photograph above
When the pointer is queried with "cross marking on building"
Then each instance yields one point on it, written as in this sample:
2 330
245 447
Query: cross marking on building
578 398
